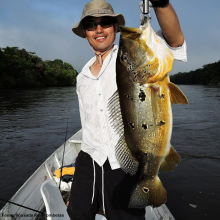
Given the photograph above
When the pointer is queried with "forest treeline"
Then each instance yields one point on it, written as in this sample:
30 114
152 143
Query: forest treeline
209 74
22 69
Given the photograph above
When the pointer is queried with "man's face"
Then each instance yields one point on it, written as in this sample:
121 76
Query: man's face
102 37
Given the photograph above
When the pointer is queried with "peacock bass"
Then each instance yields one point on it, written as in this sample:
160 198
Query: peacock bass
141 111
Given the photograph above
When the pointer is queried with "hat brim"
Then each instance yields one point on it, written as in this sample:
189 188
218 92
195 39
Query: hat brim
78 28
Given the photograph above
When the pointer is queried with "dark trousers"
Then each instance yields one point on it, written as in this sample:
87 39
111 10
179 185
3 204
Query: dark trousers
118 187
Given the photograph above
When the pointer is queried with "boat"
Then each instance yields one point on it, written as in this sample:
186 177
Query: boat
30 193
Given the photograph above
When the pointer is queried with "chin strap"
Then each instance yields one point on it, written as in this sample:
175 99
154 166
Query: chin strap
101 54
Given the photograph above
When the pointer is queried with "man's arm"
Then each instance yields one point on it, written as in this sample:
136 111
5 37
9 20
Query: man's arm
169 24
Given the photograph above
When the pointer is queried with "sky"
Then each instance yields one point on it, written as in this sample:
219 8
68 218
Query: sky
45 27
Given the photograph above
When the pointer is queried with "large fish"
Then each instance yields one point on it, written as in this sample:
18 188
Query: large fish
141 111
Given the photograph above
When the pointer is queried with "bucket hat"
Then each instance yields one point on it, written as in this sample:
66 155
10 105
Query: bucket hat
97 8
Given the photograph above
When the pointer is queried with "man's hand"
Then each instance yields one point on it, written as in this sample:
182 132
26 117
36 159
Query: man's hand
159 3
168 22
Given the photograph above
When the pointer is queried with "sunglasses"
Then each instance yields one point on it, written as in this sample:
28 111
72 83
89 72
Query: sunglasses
92 25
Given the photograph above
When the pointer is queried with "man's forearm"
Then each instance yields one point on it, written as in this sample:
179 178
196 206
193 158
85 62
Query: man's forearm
170 25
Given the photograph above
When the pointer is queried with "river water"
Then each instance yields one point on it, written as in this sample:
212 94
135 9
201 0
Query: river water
33 124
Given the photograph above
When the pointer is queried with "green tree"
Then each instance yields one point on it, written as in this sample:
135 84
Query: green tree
22 69
209 74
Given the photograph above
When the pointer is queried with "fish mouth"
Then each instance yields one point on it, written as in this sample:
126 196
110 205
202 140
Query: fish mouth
133 30
129 29
130 32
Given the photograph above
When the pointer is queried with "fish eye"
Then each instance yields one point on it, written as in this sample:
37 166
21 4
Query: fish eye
124 57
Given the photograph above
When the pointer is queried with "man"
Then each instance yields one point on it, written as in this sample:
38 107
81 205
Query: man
98 180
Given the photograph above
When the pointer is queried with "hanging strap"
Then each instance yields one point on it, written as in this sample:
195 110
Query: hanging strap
93 181
103 204
100 55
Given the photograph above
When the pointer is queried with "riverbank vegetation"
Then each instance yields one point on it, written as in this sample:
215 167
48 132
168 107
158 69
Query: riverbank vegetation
22 69
209 74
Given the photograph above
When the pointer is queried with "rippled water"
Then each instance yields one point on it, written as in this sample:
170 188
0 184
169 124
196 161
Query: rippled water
196 138
33 124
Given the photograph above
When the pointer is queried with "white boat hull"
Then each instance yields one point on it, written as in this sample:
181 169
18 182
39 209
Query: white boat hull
29 194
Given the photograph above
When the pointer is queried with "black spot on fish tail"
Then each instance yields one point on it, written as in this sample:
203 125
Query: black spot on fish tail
145 189
142 95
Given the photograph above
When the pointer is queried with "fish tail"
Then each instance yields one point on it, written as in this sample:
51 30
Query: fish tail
149 192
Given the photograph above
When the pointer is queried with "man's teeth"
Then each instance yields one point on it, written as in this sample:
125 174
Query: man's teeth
98 38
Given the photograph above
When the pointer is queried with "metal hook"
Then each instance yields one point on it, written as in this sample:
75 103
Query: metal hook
145 8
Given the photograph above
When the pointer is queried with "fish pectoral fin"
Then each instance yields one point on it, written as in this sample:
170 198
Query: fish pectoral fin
171 161
176 95
148 192
127 161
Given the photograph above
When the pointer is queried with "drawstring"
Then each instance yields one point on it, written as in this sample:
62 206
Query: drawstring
103 204
100 55
93 181
103 190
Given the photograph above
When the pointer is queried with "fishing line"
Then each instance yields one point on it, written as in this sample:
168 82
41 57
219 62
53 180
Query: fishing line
8 201
63 152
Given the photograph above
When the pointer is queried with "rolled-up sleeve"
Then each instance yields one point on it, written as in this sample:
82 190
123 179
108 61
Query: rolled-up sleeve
179 53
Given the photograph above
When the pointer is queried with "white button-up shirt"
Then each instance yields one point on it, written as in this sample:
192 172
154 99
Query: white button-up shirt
98 137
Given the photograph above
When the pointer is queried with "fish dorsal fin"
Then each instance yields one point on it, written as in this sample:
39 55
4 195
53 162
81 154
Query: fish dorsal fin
176 95
127 161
